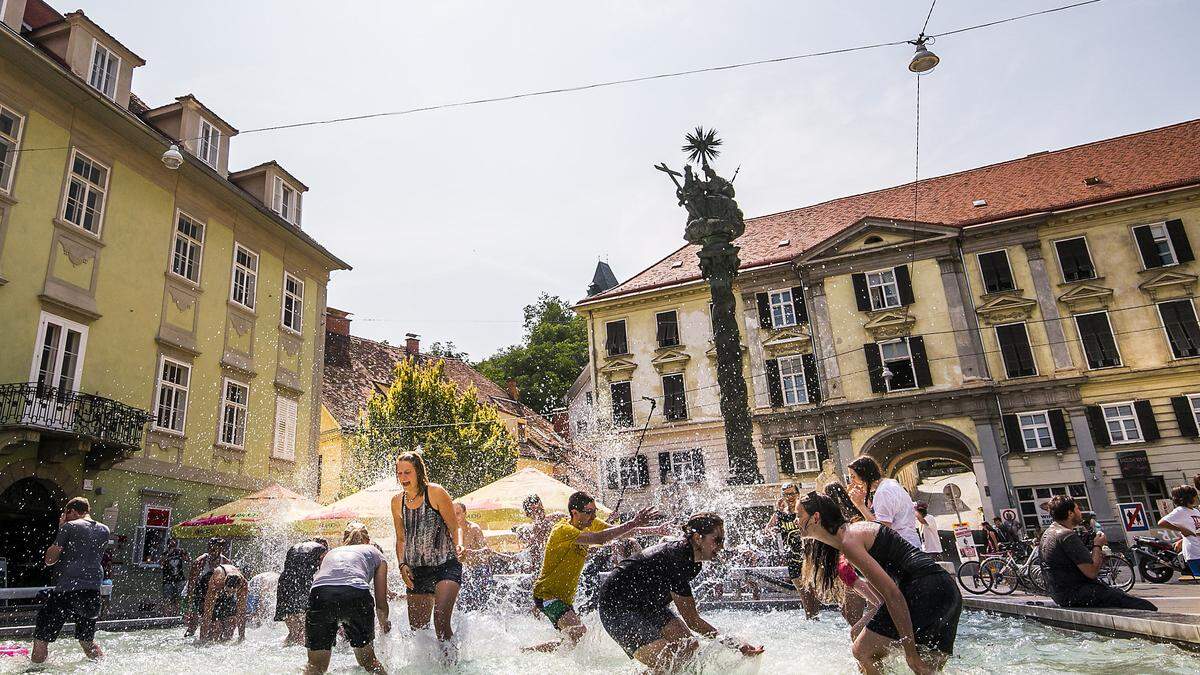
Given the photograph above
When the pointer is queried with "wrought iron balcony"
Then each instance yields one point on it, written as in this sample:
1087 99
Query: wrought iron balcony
111 424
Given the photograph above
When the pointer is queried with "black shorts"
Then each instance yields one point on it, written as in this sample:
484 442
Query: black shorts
634 628
333 606
934 605
82 607
291 597
426 577
224 607
173 588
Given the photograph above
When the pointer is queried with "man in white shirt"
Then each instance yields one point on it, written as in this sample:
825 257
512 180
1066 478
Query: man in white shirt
1185 519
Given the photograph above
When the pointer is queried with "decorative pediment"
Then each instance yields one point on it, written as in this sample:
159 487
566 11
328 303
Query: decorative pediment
1086 296
617 365
670 360
1006 308
872 234
1169 285
788 341
711 352
182 299
889 323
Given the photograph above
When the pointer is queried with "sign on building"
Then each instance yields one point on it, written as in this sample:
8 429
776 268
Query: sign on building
1133 517
965 542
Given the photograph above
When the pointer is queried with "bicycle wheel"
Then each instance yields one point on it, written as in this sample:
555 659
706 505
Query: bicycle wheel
970 578
1037 579
1117 572
1002 574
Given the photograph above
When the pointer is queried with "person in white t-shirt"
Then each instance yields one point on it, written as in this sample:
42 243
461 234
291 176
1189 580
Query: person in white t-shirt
927 528
882 500
1185 519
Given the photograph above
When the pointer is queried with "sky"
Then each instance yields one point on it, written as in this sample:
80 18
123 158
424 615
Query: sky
455 219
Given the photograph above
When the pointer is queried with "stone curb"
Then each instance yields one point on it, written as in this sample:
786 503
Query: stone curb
1181 629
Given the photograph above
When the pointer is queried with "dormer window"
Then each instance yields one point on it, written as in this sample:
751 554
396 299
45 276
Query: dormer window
210 143
103 74
286 201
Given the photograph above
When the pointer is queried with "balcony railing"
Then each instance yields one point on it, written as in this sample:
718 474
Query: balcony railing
102 420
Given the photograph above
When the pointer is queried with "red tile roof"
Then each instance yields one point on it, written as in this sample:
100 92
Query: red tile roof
1126 165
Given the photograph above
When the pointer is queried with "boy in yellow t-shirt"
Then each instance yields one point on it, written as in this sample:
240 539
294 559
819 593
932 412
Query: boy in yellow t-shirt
566 551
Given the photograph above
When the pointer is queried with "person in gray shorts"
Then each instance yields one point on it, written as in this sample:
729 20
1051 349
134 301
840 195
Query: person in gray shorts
77 551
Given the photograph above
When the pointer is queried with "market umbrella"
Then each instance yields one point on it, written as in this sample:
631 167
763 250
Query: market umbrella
497 505
372 505
249 516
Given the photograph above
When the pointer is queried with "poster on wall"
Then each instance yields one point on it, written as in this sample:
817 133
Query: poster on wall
965 543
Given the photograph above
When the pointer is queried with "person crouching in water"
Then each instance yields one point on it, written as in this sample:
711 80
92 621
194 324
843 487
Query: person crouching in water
634 599
295 583
921 602
224 608
341 596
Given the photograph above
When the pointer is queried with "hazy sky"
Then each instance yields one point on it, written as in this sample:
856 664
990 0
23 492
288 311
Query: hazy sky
455 219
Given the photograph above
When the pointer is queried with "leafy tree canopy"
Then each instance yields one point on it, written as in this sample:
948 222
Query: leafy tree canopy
447 350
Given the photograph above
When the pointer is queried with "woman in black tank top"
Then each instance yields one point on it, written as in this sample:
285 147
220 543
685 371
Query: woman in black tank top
922 603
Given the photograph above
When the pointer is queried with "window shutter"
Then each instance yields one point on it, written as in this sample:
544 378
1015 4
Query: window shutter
1179 240
1099 429
1185 416
277 195
774 384
299 198
904 284
764 310
810 378
661 332
1012 433
613 473
1014 348
1183 332
698 463
643 471
861 295
787 464
285 429
1145 243
996 274
822 450
1145 415
664 467
798 304
1058 427
875 368
916 346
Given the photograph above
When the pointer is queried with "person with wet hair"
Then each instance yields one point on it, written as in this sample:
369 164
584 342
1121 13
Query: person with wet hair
76 553
537 533
921 602
341 598
635 598
783 524
203 564
224 607
295 582
882 500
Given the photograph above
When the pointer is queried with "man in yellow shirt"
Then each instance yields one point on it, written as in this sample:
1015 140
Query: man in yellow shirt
566 551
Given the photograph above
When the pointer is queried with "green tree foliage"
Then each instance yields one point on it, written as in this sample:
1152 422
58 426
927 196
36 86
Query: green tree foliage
465 444
447 350
549 358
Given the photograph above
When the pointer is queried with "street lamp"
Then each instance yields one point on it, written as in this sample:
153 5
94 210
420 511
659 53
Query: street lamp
172 158
923 60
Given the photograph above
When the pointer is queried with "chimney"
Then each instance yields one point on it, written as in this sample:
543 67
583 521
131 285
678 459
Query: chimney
513 392
412 344
337 321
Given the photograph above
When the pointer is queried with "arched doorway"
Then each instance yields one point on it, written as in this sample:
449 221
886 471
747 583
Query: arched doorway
925 458
29 512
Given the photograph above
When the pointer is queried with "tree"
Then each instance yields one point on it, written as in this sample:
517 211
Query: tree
447 350
464 443
549 358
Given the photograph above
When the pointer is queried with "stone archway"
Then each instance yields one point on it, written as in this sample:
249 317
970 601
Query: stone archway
926 456
31 499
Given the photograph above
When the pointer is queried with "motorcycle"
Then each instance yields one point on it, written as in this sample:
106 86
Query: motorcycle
1157 560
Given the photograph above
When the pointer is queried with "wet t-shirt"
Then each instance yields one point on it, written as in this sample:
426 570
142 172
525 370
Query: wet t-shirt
174 566
788 530
82 541
647 579
300 564
1062 552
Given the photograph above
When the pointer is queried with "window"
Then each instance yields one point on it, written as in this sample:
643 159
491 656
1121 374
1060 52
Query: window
805 456
188 248
1098 344
1015 351
581 427
587 397
1035 430
1030 500
897 358
615 340
1122 423
245 276
152 535
668 328
883 290
1163 244
630 472
791 380
1145 490
1183 332
234 401
105 66
681 466
210 143
1074 259
293 303
783 309
286 201
1194 401
11 125
674 398
285 429
170 406
622 404
58 357
87 183
997 276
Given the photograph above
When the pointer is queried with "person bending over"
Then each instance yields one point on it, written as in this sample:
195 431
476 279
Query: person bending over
295 582
224 606
341 598
203 564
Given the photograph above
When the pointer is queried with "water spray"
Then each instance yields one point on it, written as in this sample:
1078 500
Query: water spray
621 495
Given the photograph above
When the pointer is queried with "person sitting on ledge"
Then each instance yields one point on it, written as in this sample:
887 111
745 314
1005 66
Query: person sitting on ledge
1071 569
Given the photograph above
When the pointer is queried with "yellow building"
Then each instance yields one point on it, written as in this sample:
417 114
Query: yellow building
1032 322
163 329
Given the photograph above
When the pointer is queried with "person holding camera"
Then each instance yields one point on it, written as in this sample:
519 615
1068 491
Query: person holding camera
77 551
1072 567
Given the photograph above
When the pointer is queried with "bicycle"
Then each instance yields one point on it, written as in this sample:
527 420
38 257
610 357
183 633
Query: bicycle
1004 574
971 578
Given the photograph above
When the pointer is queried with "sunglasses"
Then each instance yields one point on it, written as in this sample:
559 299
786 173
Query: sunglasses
588 512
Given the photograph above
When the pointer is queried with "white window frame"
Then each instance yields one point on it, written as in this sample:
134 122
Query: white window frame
1137 425
226 406
804 448
1035 426
1028 343
193 244
678 328
1194 402
1161 226
1058 259
1111 331
883 360
287 414
139 548
8 173
682 467
160 386
786 309
683 394
87 187
106 86
628 475
250 282
44 320
1007 263
297 305
208 148
883 285
278 204
798 393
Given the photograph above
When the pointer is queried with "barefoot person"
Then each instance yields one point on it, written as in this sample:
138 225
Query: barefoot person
783 523
203 564
426 532
225 603
341 597
295 582
566 552
535 535
921 602
634 599
883 500
76 550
